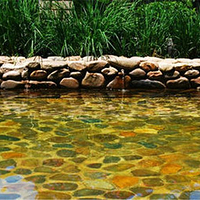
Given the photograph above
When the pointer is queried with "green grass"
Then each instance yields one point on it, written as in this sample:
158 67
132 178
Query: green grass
120 28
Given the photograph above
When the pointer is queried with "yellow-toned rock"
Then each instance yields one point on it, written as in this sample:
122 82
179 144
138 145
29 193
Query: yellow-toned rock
170 168
125 181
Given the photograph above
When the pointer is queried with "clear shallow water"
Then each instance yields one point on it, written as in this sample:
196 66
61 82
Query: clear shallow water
99 145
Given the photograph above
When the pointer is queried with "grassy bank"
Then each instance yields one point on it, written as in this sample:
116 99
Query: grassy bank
167 29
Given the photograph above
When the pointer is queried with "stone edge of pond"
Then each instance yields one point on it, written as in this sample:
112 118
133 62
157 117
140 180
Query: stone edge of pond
105 72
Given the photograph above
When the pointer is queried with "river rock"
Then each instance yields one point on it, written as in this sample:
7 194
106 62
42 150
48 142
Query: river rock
40 84
95 66
72 58
180 83
155 75
10 84
77 75
193 73
147 84
31 65
174 75
55 58
152 59
109 71
195 82
166 67
5 59
88 58
137 73
148 66
12 75
69 83
77 65
53 65
195 64
93 80
38 75
58 74
124 63
119 82
182 67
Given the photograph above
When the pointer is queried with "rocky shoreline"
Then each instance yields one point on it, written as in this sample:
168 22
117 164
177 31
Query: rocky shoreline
108 71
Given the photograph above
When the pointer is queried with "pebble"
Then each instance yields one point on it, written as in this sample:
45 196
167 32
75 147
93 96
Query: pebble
144 172
125 181
118 167
23 171
9 196
13 179
99 184
36 178
111 159
61 186
66 177
54 162
94 165
52 195
152 182
119 195
88 192
66 153
141 191
192 195
7 163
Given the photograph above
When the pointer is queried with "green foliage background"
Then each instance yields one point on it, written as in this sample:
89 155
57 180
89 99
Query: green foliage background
98 27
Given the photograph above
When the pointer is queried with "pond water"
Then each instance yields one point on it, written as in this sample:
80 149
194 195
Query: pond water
99 145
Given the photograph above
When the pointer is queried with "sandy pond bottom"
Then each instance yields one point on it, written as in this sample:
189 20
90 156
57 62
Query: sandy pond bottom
99 145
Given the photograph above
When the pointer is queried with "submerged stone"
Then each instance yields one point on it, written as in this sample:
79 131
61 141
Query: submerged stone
125 181
88 192
118 167
152 182
96 175
162 196
141 191
192 195
111 159
36 178
104 137
66 153
99 184
132 157
61 186
144 172
63 145
94 165
119 195
2 172
54 162
4 149
112 145
7 163
44 169
66 177
13 179
23 171
9 138
52 195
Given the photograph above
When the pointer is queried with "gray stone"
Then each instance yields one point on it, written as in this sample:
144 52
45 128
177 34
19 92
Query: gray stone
180 83
93 80
147 84
69 83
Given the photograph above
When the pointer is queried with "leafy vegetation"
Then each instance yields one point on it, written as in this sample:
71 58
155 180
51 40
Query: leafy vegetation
164 28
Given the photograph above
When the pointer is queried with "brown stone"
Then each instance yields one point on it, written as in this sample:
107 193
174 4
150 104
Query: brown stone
119 82
32 65
147 84
195 82
38 75
149 66
77 75
193 73
77 65
109 71
172 76
69 83
72 58
182 67
95 66
58 74
4 59
12 75
180 83
40 84
53 65
93 80
166 67
155 75
10 84
138 73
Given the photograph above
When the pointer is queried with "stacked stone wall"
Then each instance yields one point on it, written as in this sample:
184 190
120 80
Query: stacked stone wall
108 71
